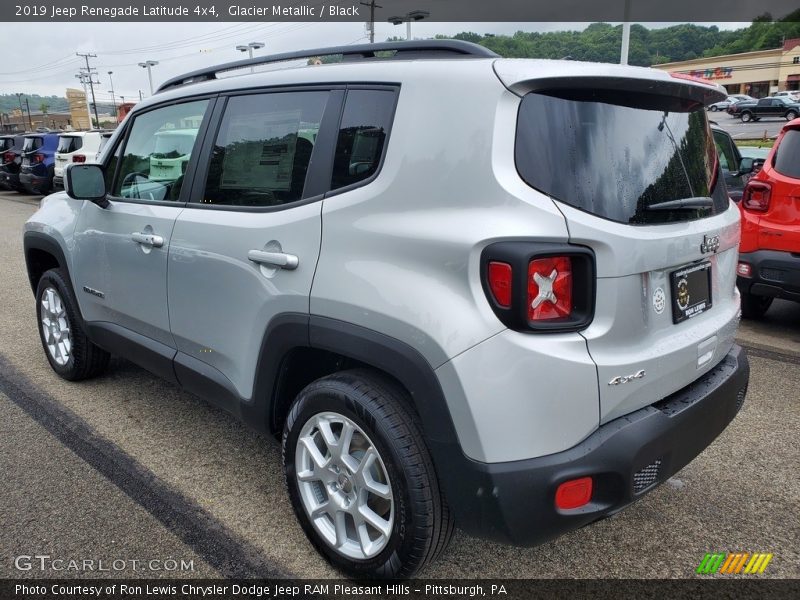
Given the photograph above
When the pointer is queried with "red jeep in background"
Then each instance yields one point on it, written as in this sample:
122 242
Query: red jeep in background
769 254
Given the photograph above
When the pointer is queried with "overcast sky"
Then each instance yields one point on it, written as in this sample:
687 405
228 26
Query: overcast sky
47 64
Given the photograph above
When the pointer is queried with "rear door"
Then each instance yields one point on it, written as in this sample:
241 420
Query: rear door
779 227
67 145
634 172
245 248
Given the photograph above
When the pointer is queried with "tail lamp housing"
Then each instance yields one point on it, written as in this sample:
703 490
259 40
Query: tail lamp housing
78 158
540 286
8 157
756 196
38 158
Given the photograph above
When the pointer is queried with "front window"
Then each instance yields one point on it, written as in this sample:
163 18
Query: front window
157 152
69 143
628 157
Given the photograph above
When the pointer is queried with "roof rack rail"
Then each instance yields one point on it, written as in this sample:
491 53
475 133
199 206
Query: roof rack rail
402 50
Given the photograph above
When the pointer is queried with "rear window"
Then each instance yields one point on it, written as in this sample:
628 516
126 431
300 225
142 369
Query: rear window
69 143
627 157
103 141
32 143
787 156
6 144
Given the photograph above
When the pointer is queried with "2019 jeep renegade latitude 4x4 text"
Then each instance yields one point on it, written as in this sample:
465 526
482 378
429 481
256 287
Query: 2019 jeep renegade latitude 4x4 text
498 294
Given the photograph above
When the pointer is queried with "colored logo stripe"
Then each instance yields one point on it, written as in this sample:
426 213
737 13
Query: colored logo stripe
734 563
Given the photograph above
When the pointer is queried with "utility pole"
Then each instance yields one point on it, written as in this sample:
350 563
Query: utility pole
30 121
90 72
372 7
21 112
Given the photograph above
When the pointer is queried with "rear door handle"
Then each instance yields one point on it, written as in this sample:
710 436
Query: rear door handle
156 241
274 259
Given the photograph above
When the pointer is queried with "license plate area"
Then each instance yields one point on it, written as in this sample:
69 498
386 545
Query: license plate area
691 291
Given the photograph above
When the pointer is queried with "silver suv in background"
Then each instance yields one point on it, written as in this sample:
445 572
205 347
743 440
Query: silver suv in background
461 290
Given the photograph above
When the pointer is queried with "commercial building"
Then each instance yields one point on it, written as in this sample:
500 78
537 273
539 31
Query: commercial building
758 74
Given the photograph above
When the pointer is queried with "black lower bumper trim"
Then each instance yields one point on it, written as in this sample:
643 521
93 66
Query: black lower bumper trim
626 458
775 274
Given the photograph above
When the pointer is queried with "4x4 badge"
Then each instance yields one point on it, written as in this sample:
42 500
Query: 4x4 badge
710 244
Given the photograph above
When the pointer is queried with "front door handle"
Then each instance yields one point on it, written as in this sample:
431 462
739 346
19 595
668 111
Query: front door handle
156 241
274 259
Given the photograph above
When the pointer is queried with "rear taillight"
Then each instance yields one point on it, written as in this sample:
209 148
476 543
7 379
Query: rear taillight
539 286
549 288
38 158
8 157
78 158
500 283
744 270
756 196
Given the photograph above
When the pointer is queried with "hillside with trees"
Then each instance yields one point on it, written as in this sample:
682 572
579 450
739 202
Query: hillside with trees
601 41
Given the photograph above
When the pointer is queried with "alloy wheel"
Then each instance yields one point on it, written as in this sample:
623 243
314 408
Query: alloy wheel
55 326
344 486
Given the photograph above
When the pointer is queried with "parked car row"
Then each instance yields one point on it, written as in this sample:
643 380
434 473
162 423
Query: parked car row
783 105
34 162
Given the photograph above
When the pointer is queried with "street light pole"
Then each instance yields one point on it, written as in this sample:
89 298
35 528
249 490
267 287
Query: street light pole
113 100
626 34
249 49
147 65
408 18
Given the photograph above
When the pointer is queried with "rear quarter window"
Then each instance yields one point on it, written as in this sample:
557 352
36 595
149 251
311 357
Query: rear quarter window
787 156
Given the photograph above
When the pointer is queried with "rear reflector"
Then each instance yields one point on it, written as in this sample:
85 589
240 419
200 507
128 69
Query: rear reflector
574 493
78 158
744 269
549 288
500 283
756 196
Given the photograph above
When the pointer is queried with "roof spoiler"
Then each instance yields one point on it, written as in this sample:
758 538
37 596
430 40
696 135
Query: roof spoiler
524 76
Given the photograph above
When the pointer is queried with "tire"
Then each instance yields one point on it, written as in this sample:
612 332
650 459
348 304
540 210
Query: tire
754 307
791 115
746 117
68 350
713 108
415 513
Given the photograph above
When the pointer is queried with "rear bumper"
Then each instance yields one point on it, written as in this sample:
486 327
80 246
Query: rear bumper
33 182
58 182
775 274
626 458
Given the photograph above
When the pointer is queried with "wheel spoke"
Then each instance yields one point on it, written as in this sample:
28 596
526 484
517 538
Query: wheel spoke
322 509
370 456
316 456
370 516
381 490
363 538
324 426
340 524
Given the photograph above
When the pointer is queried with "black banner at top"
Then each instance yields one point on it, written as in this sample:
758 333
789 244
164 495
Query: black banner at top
386 10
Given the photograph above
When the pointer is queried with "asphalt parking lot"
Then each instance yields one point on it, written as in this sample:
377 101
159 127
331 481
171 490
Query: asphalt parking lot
129 467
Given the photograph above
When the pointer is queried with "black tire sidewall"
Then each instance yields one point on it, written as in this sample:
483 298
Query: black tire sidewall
400 543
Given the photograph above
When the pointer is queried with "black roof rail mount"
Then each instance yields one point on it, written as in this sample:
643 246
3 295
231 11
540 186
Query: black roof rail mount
402 50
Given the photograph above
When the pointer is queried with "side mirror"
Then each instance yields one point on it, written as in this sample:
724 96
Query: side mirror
745 166
86 182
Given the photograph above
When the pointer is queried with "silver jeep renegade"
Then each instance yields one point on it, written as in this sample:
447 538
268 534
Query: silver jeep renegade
463 290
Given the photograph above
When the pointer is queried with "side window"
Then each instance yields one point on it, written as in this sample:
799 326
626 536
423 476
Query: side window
727 157
263 149
362 135
157 151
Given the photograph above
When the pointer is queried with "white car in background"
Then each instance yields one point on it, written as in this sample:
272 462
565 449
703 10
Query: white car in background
79 147
732 99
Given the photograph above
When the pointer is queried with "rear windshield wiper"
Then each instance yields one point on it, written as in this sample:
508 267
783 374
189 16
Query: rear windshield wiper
682 204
